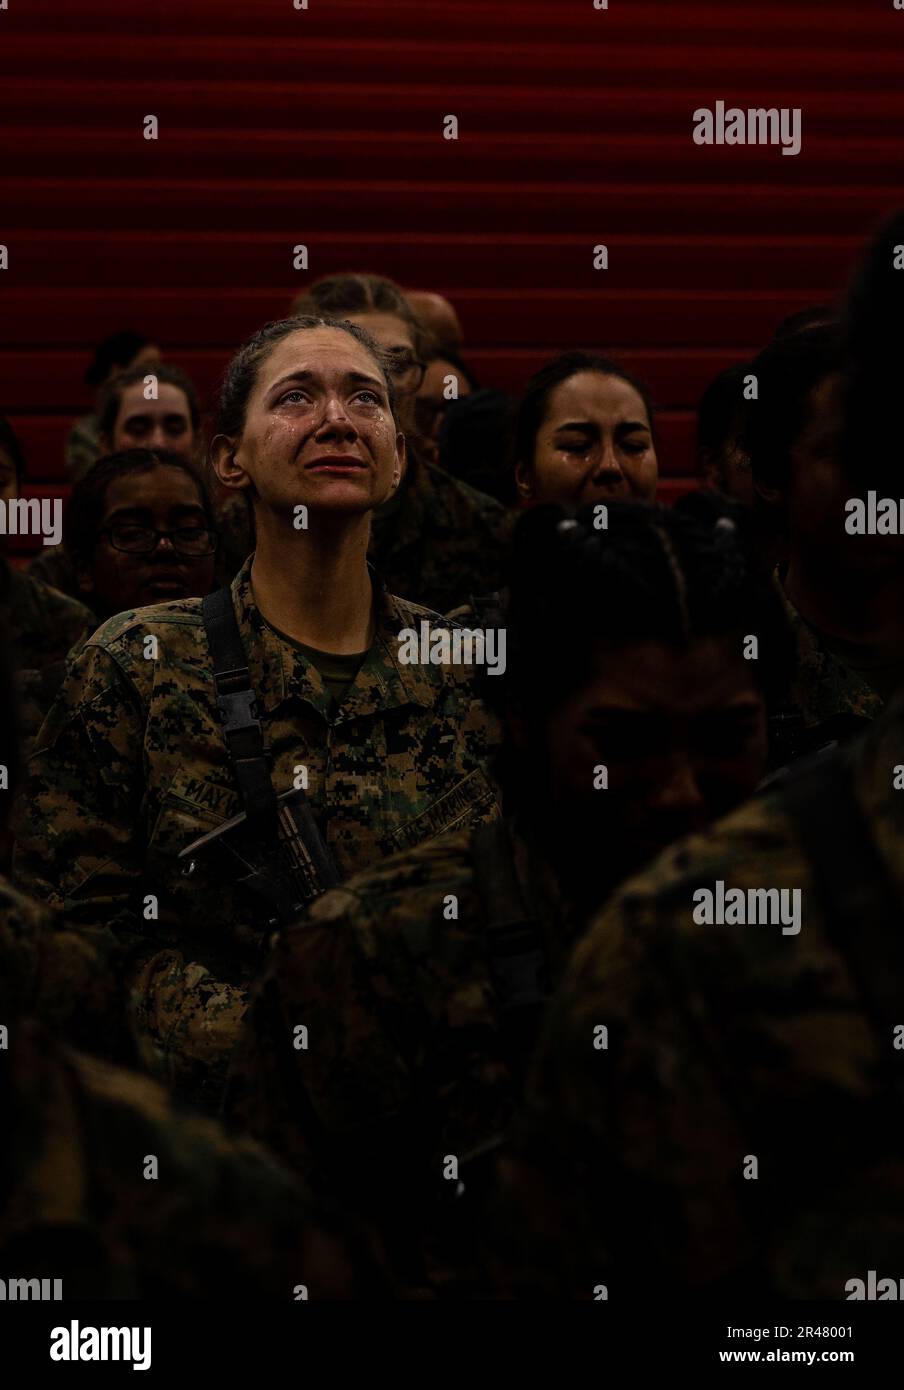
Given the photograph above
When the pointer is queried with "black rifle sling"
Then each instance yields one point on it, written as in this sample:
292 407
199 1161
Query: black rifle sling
514 943
237 705
863 914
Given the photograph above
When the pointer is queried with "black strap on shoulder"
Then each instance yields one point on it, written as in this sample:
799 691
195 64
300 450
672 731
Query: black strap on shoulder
237 705
863 914
514 941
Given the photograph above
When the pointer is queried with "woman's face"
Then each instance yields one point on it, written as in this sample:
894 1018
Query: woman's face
161 424
681 733
397 338
318 429
431 398
594 443
163 498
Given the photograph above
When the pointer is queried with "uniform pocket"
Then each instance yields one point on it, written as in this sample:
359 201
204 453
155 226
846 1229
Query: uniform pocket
191 807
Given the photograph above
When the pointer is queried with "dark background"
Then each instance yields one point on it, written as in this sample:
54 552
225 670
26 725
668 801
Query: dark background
324 127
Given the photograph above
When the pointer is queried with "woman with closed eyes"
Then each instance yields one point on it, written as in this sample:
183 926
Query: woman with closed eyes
584 433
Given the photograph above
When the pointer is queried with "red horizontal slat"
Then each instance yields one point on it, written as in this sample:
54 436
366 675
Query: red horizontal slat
676 378
470 259
305 154
54 380
265 205
324 103
500 317
53 53
710 23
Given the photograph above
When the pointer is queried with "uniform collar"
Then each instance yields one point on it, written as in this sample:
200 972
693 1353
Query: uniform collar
279 672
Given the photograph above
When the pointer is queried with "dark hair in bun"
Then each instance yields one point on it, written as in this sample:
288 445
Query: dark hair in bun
655 573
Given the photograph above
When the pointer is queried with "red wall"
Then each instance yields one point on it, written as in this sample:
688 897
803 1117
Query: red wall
324 127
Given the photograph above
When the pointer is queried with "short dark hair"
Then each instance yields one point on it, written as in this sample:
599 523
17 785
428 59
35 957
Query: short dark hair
241 374
786 371
109 397
334 296
473 441
435 352
721 410
534 404
9 443
119 350
85 508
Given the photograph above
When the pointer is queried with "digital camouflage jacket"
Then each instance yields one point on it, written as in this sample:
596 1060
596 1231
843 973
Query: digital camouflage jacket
131 766
401 1089
720 1106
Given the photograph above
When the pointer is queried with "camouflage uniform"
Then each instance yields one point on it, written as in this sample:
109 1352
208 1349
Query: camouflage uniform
443 541
724 1043
823 686
52 566
219 1219
436 542
411 1055
69 975
83 447
131 766
40 623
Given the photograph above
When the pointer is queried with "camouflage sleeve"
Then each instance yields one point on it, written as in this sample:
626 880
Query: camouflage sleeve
80 846
607 1128
684 1056
185 1024
67 977
76 820
316 1069
162 1202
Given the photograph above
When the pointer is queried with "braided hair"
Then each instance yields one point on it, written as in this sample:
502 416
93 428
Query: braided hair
655 574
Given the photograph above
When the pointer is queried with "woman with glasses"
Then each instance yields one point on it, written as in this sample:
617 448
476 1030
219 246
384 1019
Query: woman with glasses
139 529
127 420
437 540
157 742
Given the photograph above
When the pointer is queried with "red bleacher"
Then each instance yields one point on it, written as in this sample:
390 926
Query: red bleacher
324 127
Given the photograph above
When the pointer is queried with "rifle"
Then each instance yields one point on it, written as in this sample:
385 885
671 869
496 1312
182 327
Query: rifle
285 869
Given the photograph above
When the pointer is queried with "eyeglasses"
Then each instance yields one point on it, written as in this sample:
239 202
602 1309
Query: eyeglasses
406 370
143 540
